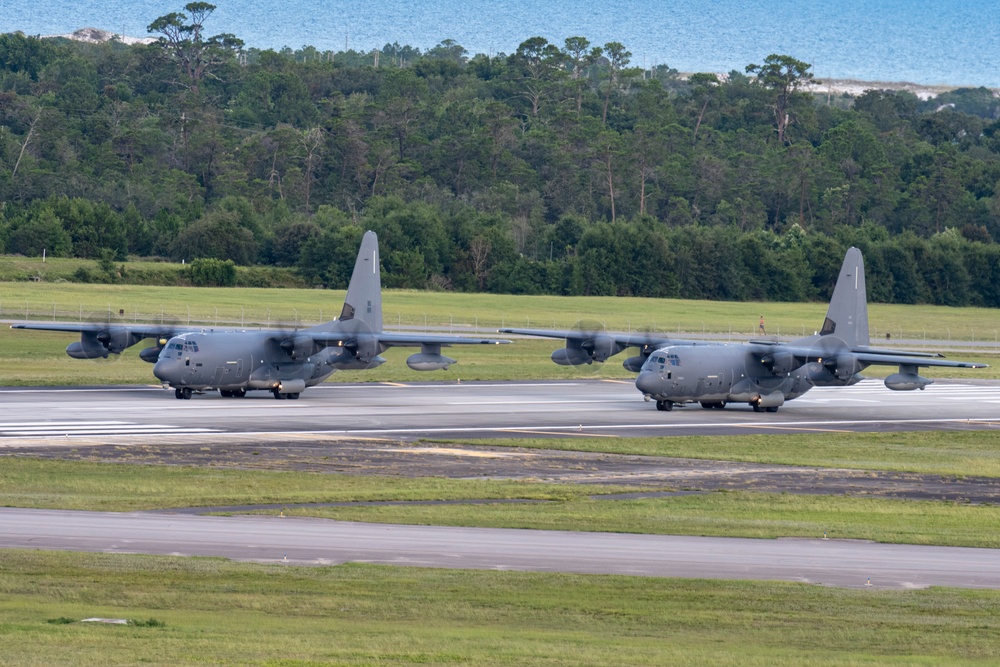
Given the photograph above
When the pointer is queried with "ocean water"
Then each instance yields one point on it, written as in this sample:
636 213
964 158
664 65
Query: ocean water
953 42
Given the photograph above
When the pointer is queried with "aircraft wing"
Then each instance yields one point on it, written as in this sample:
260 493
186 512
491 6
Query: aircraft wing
870 356
586 347
409 340
623 338
140 330
902 360
391 339
99 339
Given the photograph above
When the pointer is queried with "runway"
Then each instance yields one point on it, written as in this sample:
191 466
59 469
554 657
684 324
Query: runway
323 542
472 410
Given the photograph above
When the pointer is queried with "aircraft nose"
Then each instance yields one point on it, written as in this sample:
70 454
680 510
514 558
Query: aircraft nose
161 369
648 383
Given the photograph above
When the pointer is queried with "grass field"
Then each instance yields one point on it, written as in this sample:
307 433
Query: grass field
207 611
464 314
38 358
26 482
720 514
71 301
47 484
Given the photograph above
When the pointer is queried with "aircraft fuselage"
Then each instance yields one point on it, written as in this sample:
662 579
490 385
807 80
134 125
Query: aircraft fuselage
718 374
237 361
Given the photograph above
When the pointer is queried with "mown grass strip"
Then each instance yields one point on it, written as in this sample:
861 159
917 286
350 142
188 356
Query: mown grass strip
217 612
721 514
47 484
38 300
117 487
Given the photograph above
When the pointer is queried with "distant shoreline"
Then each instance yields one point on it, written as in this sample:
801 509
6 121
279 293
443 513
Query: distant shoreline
831 86
855 88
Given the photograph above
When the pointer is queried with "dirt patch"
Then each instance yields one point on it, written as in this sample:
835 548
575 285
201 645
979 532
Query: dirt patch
405 459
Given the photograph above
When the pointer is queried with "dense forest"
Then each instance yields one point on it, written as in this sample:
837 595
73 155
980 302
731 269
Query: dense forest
559 168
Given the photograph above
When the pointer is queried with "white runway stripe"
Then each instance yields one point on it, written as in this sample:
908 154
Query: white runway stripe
79 429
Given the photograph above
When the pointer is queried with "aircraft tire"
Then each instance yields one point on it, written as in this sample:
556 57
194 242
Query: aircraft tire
707 406
773 408
278 395
186 393
757 408
225 393
665 406
293 396
239 393
178 394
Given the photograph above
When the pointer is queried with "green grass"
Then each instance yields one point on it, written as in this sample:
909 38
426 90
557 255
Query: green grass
38 358
959 452
720 514
29 300
27 482
48 484
217 612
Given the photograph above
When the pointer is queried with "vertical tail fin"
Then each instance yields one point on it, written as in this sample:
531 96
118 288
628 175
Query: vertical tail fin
364 292
847 316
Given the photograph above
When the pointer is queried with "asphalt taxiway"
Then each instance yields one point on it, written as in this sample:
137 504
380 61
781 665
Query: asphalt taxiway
475 410
321 542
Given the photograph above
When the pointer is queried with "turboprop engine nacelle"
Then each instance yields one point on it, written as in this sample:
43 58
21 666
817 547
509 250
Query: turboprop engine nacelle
99 344
780 362
423 361
571 356
634 364
151 353
906 382
299 347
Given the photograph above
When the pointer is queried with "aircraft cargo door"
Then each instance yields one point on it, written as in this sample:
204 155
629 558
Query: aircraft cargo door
232 372
714 384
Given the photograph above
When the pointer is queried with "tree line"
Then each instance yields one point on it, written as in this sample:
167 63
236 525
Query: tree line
558 168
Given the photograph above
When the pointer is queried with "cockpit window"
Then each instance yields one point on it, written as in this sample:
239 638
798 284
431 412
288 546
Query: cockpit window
660 360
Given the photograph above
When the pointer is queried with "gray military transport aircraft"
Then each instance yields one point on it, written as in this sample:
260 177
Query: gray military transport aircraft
763 373
281 361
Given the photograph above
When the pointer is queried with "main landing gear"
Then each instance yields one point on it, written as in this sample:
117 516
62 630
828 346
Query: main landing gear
758 408
713 405
182 393
233 393
665 406
290 396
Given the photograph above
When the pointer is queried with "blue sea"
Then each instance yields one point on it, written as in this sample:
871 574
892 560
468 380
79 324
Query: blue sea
955 42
